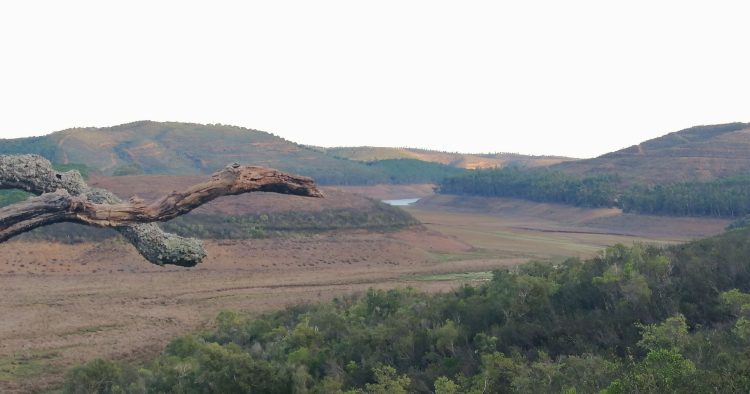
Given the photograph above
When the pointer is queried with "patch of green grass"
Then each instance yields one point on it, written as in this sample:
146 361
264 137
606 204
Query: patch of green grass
457 276
22 366
446 257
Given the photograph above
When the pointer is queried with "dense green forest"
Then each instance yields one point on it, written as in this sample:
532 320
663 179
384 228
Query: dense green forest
637 319
535 185
724 197
406 171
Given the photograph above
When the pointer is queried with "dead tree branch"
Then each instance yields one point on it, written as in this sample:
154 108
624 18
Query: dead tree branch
65 197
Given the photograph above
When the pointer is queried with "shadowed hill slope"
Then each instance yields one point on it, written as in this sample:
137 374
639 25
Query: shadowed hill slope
697 153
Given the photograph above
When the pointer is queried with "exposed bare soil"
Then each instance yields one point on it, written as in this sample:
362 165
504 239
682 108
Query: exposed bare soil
521 215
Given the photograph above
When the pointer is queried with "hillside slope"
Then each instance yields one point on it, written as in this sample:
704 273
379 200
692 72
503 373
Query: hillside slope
170 148
460 160
697 153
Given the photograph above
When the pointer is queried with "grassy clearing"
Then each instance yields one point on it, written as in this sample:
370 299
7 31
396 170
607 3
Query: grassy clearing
24 366
446 257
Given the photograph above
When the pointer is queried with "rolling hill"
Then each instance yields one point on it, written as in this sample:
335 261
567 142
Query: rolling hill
460 160
699 153
170 148
700 171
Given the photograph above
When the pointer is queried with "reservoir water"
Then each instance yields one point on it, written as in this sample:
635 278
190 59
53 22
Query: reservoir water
402 202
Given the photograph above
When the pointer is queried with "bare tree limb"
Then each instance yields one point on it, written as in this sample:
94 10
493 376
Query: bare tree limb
64 197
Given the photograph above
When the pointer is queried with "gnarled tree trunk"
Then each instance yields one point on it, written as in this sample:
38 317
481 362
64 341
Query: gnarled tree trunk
65 197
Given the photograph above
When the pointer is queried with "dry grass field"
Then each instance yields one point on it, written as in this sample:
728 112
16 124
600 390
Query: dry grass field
535 230
66 304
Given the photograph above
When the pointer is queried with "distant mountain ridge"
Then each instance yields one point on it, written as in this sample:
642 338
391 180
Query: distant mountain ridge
697 153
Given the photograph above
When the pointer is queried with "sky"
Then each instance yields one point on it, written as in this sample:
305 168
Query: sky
574 78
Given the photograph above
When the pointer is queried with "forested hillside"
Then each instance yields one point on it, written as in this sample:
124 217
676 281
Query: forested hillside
636 319
722 197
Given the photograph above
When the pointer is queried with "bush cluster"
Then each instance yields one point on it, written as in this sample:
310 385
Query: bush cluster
634 319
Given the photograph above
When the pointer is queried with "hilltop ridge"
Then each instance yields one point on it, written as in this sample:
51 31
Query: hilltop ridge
461 160
173 148
697 153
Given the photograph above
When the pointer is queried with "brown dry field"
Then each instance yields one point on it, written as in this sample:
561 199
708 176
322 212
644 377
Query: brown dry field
541 230
66 304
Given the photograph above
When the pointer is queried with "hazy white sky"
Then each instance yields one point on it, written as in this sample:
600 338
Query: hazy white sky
576 78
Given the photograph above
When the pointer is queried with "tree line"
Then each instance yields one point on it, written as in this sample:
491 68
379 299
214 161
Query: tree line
724 197
634 319
541 186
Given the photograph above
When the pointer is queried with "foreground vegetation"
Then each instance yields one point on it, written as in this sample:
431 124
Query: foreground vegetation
635 319
724 197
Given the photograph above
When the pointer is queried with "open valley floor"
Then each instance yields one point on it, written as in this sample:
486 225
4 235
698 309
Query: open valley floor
63 304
